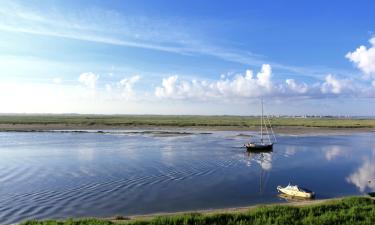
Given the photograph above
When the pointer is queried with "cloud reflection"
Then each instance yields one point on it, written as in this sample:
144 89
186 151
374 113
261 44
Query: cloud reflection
290 151
167 154
86 154
263 159
364 176
333 152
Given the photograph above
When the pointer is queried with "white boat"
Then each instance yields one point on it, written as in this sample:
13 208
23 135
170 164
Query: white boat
296 191
262 144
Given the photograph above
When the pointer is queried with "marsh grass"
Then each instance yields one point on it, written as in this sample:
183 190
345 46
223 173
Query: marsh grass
179 121
351 210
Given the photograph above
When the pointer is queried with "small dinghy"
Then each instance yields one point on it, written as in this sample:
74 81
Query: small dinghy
296 191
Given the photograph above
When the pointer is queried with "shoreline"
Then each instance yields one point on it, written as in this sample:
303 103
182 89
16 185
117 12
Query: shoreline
240 209
281 130
212 212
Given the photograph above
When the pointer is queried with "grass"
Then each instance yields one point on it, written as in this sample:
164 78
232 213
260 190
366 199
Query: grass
179 121
350 210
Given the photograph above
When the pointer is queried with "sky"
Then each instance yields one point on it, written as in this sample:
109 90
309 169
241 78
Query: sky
187 57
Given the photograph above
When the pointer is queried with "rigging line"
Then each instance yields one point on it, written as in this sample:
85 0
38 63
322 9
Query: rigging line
268 134
261 122
273 133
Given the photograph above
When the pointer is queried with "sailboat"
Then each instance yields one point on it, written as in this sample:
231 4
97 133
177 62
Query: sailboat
263 145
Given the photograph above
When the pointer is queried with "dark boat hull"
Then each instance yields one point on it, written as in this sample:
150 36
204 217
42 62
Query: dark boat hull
259 147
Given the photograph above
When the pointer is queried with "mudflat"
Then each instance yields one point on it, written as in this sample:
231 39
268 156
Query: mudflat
292 130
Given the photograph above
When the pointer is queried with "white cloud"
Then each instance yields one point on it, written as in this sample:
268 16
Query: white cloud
334 85
39 97
364 58
250 86
57 80
126 86
108 88
241 86
88 79
294 87
264 76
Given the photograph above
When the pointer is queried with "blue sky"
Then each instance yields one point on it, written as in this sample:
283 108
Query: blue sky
187 57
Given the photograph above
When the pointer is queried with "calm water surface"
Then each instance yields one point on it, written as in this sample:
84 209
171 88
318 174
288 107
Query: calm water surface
59 175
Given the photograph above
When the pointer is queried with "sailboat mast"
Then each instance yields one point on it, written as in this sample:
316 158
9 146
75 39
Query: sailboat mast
261 123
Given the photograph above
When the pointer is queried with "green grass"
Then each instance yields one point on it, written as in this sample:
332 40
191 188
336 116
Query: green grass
180 121
351 210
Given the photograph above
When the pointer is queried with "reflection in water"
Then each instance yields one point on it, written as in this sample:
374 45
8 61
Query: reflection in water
364 176
333 152
290 198
290 151
264 159
167 155
86 154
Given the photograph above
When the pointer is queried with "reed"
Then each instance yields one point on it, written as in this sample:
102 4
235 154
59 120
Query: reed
350 210
179 121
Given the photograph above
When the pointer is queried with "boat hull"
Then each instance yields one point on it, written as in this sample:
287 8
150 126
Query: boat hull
294 193
259 147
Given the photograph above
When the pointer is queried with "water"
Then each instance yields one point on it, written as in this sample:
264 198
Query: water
59 175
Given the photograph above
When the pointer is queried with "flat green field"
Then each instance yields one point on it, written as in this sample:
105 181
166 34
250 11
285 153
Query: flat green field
351 210
179 121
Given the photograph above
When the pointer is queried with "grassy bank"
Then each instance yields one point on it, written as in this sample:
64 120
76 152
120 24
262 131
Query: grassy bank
179 121
351 210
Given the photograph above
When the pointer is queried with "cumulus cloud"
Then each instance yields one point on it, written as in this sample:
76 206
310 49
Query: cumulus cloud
250 86
88 79
240 86
364 58
57 80
108 88
126 86
298 88
335 86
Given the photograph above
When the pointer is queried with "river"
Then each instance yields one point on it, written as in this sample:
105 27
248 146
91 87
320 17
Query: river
79 174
